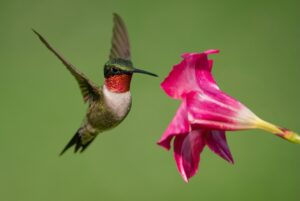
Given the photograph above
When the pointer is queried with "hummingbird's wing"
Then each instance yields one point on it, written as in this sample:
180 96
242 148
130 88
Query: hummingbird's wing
120 47
88 89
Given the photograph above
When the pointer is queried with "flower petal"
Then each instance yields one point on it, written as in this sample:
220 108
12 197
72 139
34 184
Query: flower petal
180 80
216 141
204 78
212 51
187 149
217 110
192 73
179 125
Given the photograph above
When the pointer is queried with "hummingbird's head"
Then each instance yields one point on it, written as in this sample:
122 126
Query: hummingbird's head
118 73
121 66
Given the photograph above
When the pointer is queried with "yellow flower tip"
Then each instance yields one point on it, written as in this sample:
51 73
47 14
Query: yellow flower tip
281 132
290 136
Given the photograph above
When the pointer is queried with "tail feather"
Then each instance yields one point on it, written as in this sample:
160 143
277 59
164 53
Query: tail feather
86 145
77 142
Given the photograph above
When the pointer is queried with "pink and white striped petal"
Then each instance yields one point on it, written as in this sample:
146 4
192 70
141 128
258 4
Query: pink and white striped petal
217 111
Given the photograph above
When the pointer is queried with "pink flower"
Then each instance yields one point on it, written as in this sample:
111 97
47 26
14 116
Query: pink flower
205 114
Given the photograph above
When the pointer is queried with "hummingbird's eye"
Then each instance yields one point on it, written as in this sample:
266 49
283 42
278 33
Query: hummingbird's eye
114 70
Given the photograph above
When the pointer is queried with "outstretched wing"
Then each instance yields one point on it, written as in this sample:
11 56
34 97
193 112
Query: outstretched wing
120 47
88 89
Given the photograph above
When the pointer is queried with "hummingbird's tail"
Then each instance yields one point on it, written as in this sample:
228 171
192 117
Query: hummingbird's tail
77 141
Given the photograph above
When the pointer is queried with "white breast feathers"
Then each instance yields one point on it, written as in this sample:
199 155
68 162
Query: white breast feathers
119 103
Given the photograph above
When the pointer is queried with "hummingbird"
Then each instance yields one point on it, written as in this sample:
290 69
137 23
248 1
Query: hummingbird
109 104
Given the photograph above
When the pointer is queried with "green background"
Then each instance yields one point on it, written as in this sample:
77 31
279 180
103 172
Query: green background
41 106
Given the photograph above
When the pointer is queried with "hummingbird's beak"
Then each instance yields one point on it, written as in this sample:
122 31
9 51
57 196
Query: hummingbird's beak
136 70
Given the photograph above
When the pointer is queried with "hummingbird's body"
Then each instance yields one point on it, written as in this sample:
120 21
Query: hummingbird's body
109 104
104 114
110 110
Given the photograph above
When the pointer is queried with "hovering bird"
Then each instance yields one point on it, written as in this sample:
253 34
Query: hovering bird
109 104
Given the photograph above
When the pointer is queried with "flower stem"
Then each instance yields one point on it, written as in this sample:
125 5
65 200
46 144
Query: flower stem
281 132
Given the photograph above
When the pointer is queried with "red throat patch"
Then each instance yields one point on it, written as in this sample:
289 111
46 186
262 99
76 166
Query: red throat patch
118 83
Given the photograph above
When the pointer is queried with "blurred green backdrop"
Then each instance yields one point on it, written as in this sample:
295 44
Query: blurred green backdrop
41 105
